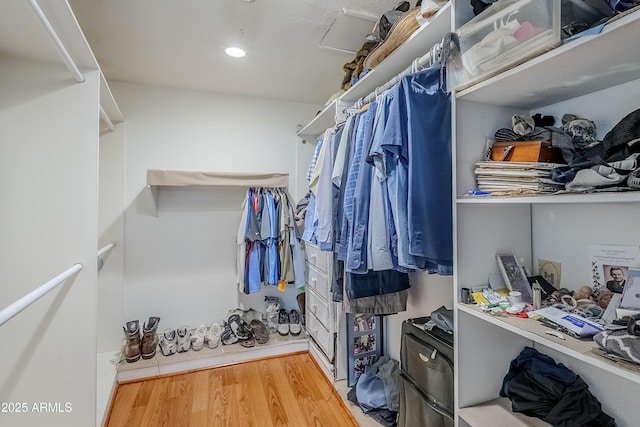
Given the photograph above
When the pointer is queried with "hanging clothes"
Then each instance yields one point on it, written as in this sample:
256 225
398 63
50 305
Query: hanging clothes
268 249
241 253
327 192
429 187
382 232
356 202
386 180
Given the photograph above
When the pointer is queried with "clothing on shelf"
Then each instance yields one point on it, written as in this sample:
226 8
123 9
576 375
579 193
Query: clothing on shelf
269 251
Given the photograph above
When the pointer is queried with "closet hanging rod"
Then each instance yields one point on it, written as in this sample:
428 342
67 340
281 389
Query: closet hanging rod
106 119
102 252
425 60
24 302
62 50
106 249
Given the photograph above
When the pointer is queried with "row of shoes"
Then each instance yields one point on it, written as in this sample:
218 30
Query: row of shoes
140 343
184 339
143 343
289 322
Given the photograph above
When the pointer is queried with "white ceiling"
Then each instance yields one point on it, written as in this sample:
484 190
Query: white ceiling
180 43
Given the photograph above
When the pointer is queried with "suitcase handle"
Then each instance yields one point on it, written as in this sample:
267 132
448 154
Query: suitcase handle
426 359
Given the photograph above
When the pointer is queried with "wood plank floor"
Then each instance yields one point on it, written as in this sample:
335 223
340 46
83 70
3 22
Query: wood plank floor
280 391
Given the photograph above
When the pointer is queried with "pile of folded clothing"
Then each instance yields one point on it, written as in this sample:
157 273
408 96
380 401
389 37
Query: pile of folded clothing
589 164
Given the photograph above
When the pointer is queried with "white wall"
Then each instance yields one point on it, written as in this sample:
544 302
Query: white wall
180 259
427 293
111 230
48 222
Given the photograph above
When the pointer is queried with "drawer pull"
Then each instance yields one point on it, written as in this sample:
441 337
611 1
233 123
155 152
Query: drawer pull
314 308
426 359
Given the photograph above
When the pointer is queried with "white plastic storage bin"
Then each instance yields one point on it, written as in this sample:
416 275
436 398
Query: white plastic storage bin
504 35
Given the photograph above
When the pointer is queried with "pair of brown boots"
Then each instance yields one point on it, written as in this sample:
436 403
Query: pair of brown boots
140 344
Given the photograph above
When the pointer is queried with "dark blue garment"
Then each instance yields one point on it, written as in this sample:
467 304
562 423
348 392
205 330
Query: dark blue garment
429 168
375 283
254 279
539 387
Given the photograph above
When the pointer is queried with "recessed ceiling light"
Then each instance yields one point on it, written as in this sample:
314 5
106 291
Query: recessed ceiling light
236 52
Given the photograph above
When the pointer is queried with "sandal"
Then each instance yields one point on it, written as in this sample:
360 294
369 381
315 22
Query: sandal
239 327
228 337
260 331
249 342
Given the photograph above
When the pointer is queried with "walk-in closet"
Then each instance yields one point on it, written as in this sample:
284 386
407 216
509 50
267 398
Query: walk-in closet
363 213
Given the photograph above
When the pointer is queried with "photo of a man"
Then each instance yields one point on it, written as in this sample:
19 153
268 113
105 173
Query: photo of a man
617 282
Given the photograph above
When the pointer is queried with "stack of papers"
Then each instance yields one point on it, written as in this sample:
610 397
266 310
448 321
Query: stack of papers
512 176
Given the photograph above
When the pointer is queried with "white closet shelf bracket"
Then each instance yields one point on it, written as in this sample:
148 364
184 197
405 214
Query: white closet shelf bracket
62 50
10 311
106 119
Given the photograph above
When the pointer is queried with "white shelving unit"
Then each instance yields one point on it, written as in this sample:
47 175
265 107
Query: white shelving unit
596 77
175 179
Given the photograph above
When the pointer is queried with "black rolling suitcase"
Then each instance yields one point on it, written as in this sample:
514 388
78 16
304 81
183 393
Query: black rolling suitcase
426 358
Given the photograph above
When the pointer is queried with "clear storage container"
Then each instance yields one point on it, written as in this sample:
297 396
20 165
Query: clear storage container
502 36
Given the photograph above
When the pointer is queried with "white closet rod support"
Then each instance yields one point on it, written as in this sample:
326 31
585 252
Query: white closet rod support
24 302
57 42
106 119
106 249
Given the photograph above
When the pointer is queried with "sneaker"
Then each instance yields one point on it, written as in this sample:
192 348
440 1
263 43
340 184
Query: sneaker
184 342
294 323
168 344
228 337
197 338
150 338
212 337
283 322
132 348
272 309
260 331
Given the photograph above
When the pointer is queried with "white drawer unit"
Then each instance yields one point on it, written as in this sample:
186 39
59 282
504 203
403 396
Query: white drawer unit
322 310
323 337
319 281
322 260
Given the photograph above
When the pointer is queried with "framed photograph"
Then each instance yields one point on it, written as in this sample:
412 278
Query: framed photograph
610 266
631 294
514 276
364 344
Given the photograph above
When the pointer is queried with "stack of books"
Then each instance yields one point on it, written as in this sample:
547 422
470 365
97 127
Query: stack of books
531 177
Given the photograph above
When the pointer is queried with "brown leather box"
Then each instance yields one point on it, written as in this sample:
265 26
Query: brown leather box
525 151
